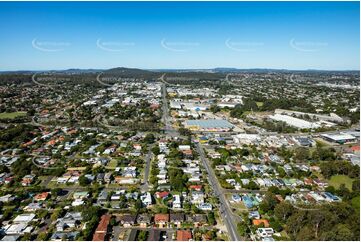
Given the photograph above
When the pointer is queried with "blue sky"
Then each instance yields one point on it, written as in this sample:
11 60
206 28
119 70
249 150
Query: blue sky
285 35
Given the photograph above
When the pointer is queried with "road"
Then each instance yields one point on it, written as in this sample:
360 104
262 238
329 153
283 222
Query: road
224 208
148 159
168 128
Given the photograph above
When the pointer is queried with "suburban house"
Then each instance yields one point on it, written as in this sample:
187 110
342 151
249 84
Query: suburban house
264 233
143 220
146 199
197 219
260 222
69 221
184 235
27 180
161 220
127 220
177 219
41 196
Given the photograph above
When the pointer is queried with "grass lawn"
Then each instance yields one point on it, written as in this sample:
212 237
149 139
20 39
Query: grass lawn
112 165
11 115
239 207
337 180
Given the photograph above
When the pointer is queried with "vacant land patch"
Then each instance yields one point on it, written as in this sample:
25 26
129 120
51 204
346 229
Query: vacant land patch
12 115
337 180
112 164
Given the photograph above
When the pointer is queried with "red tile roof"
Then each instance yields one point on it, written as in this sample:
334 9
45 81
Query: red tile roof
160 217
195 187
184 235
263 222
41 196
162 194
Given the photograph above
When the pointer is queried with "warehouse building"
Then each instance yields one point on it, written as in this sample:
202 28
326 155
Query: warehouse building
295 122
342 138
213 125
332 117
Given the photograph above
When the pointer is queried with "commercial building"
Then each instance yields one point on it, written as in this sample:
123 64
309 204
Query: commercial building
341 138
208 125
323 117
295 122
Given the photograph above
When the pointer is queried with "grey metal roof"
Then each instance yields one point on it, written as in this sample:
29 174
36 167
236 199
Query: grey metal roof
210 123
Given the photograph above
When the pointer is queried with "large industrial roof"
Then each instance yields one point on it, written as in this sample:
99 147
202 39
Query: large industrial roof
339 137
296 122
210 123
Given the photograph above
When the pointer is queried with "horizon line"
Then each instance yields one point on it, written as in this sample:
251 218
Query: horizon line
160 69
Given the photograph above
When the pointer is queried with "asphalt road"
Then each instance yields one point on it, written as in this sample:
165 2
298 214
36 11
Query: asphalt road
148 158
168 128
224 208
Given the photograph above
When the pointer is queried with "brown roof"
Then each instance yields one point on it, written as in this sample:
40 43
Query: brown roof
99 236
184 235
160 217
143 218
127 218
197 218
176 217
102 228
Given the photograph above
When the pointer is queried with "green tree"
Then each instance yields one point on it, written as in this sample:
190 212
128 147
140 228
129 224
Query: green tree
142 235
42 236
243 229
83 181
26 237
269 202
184 132
211 219
283 210
302 154
149 139
215 109
156 150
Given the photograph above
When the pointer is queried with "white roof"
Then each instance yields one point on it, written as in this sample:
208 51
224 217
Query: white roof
24 218
248 136
339 137
16 228
295 122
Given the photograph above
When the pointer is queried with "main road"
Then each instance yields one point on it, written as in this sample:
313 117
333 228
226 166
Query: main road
224 208
168 128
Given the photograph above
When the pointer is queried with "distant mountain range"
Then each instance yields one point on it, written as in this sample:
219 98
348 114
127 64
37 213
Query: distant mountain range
141 72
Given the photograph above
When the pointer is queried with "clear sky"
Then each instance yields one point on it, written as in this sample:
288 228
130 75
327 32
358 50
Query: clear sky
285 35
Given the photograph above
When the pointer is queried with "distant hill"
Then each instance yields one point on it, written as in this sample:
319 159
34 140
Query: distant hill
156 73
124 72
